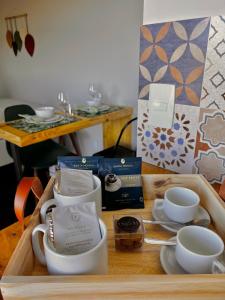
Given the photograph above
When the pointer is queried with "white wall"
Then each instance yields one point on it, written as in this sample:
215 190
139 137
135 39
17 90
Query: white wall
2 85
1 76
77 42
2 90
156 11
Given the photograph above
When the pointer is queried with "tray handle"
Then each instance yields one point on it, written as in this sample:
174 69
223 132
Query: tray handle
24 187
222 191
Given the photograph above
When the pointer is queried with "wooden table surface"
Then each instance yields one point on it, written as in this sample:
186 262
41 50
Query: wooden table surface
112 124
151 169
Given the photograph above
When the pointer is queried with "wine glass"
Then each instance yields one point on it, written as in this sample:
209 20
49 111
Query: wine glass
95 95
92 90
62 102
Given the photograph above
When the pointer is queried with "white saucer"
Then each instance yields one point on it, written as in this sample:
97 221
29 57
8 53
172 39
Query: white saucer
37 120
168 260
54 119
159 215
94 108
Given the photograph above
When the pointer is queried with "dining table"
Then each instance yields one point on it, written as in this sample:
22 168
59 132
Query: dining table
112 121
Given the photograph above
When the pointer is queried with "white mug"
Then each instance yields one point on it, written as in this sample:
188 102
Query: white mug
197 250
62 200
94 261
180 204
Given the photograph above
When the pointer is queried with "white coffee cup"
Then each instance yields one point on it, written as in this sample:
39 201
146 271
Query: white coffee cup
94 261
180 204
62 200
197 250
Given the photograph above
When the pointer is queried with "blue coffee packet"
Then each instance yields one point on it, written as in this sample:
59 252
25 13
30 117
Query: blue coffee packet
80 162
121 183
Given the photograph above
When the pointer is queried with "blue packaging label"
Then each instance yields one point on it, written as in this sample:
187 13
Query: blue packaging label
121 183
80 162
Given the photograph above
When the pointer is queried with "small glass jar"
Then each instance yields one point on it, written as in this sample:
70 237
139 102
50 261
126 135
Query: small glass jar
128 232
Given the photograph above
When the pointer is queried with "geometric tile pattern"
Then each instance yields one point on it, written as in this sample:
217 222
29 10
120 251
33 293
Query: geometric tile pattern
220 48
211 165
213 32
214 75
212 129
210 145
174 53
171 148
217 79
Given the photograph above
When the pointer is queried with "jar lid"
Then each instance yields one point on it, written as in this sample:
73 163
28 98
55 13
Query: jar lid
128 224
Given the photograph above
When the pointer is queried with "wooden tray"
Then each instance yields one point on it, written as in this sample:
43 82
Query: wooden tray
131 274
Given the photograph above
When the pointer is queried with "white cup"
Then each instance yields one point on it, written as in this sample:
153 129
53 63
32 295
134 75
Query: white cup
180 204
94 261
62 200
197 250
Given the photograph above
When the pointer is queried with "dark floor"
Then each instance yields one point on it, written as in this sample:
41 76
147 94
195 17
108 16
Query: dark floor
7 193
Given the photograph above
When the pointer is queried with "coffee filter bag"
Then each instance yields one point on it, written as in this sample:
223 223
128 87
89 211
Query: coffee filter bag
74 229
72 182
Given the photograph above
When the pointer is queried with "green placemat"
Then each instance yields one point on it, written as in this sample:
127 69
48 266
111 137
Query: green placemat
22 124
91 111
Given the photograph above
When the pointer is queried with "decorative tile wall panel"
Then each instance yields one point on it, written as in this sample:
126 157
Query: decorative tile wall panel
213 92
174 53
191 55
168 148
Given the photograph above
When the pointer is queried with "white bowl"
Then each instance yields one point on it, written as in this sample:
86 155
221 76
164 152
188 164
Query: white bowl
45 111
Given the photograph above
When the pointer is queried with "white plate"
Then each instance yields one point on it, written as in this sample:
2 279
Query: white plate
159 215
37 120
103 107
94 109
168 260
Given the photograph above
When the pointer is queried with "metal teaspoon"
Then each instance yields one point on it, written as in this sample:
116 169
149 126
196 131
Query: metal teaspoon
160 242
198 222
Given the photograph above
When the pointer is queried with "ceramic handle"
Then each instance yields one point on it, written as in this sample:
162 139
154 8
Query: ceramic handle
218 267
45 207
36 243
